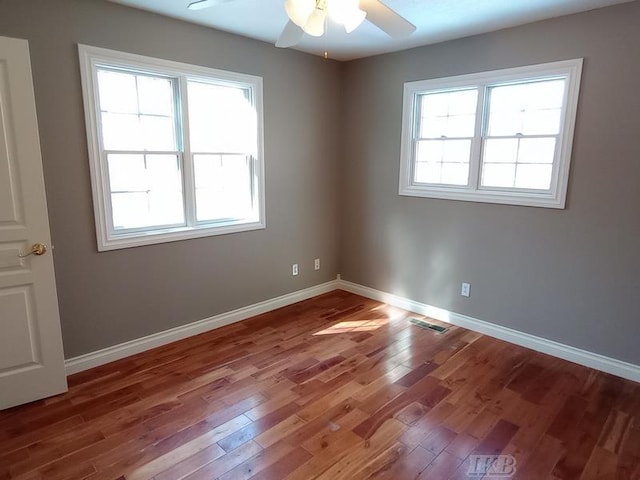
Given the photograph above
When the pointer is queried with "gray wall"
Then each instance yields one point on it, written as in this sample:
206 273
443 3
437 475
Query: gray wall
108 298
331 176
569 275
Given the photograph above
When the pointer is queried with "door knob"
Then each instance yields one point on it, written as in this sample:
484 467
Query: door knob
36 249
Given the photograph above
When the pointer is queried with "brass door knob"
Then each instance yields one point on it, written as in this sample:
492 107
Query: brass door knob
36 249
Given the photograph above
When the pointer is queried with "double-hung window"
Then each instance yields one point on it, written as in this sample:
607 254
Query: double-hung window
497 137
175 149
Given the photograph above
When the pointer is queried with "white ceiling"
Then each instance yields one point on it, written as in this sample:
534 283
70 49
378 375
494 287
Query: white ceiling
436 21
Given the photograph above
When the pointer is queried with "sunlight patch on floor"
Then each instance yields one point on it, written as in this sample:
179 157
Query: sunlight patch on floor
354 326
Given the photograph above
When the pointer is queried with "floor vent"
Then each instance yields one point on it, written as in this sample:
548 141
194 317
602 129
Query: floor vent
428 326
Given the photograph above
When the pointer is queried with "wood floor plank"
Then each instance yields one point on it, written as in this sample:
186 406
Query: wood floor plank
405 465
542 460
284 466
438 440
422 428
462 445
443 467
361 453
279 431
221 465
22 440
335 387
336 415
601 465
263 460
191 464
381 463
51 450
205 441
410 414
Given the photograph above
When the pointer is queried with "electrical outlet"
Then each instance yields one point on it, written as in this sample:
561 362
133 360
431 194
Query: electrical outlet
465 290
294 269
316 264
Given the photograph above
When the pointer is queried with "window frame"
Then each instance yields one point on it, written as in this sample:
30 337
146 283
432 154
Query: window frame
483 81
93 58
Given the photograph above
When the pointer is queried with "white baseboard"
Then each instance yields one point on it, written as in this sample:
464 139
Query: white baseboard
566 352
116 352
576 355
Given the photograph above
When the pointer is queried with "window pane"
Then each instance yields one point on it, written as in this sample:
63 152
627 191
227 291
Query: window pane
221 119
223 187
145 210
442 173
430 151
443 161
501 150
456 151
455 173
433 127
536 95
146 190
435 104
450 126
518 163
121 132
158 133
137 112
520 150
541 122
537 150
117 92
449 114
533 176
528 108
127 173
498 175
462 102
505 123
128 209
428 172
155 96
444 151
461 126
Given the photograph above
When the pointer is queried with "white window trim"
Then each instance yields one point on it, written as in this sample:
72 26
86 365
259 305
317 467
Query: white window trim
555 198
90 58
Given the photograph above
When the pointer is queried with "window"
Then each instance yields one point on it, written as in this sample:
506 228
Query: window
175 150
497 137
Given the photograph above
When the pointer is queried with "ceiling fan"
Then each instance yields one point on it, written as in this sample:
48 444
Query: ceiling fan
310 16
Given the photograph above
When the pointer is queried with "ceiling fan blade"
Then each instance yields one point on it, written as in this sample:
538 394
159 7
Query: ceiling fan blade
290 36
201 4
386 19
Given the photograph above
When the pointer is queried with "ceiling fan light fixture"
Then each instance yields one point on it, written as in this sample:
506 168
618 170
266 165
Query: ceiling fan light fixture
355 20
315 23
346 12
299 11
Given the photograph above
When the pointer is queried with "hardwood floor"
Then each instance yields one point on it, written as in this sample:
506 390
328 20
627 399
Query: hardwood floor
336 387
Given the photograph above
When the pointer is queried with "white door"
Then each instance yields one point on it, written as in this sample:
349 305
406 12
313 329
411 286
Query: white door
31 355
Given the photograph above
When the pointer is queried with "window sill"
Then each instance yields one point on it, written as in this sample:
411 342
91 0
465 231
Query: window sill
138 239
528 199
